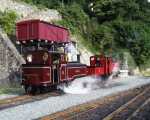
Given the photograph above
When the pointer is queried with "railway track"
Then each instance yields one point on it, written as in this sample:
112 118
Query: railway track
141 112
122 106
23 99
126 110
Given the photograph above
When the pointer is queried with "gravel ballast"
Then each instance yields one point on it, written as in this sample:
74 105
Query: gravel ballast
54 104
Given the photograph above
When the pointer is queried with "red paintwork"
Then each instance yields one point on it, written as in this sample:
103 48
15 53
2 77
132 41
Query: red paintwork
41 74
37 75
40 30
63 71
100 65
75 72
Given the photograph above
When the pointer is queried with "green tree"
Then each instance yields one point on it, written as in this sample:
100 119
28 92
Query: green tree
74 18
130 22
102 37
8 20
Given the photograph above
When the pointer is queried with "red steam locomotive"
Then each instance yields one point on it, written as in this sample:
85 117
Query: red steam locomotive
43 46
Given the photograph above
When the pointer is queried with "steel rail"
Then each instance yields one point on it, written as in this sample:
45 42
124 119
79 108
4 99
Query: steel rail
77 111
126 110
140 109
23 99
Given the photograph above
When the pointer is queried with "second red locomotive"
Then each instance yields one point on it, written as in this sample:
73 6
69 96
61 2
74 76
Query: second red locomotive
46 65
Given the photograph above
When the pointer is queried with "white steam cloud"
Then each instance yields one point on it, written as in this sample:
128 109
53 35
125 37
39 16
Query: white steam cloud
84 85
87 84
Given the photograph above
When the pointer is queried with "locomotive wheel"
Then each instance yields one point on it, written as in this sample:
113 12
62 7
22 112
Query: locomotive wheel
30 89
42 89
105 77
53 87
38 90
67 84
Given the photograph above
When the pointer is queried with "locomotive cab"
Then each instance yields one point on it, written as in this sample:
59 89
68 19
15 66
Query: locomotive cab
41 69
97 61
100 65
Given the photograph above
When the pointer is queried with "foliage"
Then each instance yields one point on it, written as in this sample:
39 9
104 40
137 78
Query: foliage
74 18
44 3
6 89
102 37
54 4
130 23
7 21
107 25
108 10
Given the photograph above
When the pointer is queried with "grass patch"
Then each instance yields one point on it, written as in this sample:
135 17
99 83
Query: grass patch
146 73
11 90
7 21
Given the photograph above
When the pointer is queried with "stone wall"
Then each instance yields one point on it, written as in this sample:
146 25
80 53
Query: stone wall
85 54
10 60
26 11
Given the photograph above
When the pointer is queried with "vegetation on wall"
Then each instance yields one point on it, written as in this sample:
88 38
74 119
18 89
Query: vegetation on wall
7 21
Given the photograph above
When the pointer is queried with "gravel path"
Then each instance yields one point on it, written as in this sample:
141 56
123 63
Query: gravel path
53 104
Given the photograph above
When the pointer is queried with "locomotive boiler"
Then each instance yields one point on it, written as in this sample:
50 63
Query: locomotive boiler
43 47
